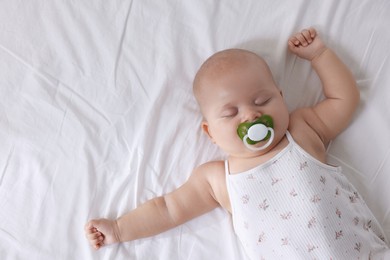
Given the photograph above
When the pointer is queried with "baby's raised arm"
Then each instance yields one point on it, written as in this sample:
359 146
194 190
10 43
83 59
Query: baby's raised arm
192 199
339 86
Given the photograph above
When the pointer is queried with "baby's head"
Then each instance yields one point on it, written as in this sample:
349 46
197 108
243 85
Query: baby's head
225 65
235 86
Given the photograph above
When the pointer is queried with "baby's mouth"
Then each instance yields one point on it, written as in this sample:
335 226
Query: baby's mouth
257 131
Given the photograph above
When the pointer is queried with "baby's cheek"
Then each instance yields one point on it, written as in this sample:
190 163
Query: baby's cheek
222 138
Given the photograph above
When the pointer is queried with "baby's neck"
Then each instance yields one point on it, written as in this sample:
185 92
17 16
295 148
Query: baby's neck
241 164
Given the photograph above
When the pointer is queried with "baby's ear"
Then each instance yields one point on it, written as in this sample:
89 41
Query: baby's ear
205 128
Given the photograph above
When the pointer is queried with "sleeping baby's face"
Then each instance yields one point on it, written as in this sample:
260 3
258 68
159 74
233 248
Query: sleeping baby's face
236 86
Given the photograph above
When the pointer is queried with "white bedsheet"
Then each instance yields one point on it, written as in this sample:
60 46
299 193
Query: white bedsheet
97 113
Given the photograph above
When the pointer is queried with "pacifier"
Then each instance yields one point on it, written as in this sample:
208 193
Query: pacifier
255 132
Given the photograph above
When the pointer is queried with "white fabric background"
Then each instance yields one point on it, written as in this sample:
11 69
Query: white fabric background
97 113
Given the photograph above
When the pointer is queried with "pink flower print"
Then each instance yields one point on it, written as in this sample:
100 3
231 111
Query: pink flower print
338 212
261 238
323 180
367 225
358 246
356 221
315 199
312 222
275 180
286 215
293 193
339 234
310 247
303 165
353 198
245 199
264 205
250 177
285 241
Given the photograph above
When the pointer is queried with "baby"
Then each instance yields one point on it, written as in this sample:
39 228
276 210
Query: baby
286 202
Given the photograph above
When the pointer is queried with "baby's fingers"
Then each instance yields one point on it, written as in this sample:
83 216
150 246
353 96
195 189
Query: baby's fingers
307 36
293 41
89 231
304 38
96 239
313 32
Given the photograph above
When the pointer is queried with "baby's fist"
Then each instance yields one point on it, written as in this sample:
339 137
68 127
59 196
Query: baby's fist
306 44
101 232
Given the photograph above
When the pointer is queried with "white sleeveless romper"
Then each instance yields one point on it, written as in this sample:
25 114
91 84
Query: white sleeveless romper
295 207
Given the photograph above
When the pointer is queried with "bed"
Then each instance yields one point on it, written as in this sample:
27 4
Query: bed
97 113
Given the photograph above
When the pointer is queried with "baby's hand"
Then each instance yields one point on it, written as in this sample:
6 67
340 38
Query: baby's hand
306 44
101 232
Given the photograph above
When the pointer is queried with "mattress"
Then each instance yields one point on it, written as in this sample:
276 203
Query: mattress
97 113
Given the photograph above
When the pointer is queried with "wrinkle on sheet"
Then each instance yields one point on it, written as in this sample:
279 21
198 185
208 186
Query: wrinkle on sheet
12 239
100 116
7 162
57 84
121 42
76 50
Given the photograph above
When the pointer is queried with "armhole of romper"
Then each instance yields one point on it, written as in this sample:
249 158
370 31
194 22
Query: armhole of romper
309 156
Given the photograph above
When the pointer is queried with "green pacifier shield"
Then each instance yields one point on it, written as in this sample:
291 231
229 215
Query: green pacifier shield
242 129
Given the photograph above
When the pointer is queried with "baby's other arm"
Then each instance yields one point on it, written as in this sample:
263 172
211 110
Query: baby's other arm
192 199
339 87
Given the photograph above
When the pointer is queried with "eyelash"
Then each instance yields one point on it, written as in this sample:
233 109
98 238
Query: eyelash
262 103
229 115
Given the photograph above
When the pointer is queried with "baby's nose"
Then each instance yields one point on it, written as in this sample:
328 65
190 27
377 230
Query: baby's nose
251 115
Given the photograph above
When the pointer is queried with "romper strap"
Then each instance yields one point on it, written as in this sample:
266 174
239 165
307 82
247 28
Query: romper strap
227 167
289 137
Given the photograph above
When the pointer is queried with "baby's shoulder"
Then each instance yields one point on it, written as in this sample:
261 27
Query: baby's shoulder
213 173
211 169
306 120
307 130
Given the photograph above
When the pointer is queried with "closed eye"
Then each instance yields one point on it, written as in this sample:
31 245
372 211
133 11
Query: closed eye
262 102
231 112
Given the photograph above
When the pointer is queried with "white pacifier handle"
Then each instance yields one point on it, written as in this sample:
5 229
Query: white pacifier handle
254 148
